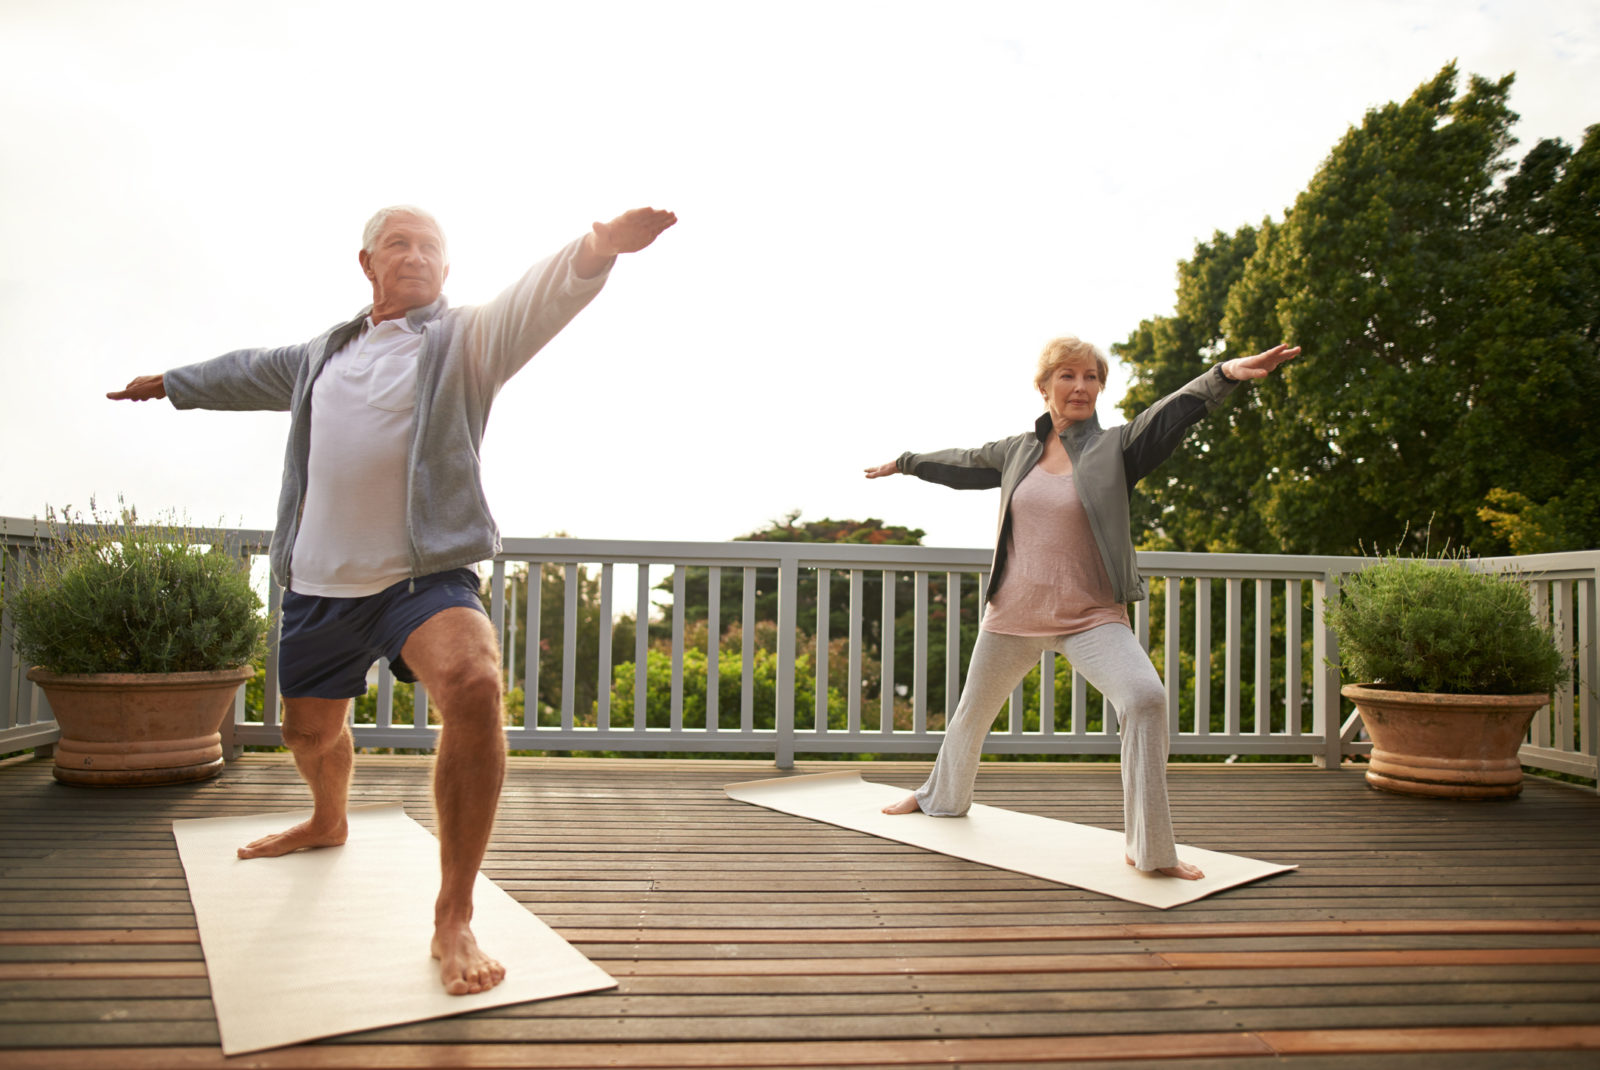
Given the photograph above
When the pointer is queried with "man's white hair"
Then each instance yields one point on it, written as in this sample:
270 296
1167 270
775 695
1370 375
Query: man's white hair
375 225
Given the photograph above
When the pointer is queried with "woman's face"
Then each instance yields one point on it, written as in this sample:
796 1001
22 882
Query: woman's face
1071 391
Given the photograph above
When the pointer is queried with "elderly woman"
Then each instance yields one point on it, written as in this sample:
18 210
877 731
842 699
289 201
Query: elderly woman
1064 571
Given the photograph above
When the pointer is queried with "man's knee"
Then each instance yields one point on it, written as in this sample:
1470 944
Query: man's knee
471 691
306 735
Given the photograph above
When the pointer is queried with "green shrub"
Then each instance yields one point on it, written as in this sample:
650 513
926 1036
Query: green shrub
103 596
1416 625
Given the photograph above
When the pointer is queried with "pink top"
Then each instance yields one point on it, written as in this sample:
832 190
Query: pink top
1055 582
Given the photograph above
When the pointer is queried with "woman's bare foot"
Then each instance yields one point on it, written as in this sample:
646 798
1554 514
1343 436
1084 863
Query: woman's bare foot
463 969
302 836
908 805
1183 870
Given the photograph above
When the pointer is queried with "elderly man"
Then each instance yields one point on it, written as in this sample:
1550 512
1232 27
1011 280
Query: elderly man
382 513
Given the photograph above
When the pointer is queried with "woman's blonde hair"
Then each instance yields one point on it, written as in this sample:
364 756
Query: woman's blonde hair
1068 350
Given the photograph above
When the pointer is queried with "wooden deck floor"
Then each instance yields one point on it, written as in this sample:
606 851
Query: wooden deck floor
1415 934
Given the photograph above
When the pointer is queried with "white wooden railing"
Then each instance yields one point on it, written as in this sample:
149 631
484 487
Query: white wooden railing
1255 621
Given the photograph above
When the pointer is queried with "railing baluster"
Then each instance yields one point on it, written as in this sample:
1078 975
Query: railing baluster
952 644
886 652
1263 711
1174 661
269 690
1539 603
385 694
1232 656
10 663
1047 693
603 676
919 653
1325 674
1202 656
679 585
532 613
641 649
788 598
1080 706
713 647
569 648
1561 603
497 604
824 582
857 586
1293 680
748 653
1588 682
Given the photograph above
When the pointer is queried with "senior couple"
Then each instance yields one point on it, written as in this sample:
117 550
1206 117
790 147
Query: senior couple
382 516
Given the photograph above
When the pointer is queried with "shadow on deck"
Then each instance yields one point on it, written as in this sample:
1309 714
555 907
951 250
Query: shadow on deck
1415 934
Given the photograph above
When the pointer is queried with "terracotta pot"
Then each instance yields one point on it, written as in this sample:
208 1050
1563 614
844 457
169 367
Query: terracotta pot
139 728
1445 746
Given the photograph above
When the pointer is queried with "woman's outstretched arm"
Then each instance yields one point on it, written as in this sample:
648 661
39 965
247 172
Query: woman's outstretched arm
883 470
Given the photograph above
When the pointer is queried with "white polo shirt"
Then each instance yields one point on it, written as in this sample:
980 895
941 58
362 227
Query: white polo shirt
352 540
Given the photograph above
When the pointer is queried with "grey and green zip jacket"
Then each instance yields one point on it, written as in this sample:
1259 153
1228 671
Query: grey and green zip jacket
1105 465
467 354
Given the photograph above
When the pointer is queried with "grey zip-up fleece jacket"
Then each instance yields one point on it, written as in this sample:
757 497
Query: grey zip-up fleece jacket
1105 466
467 355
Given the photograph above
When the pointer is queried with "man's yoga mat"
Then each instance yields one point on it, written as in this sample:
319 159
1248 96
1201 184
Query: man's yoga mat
1079 855
335 940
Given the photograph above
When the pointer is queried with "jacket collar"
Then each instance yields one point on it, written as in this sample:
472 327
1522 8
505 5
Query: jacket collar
418 316
1044 426
414 319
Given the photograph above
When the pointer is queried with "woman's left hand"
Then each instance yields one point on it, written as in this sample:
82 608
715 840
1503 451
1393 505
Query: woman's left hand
1261 365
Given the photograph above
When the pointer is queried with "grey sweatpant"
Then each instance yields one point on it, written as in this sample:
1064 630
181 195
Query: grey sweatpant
1111 659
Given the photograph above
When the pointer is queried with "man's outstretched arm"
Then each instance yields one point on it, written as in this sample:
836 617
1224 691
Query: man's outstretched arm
628 233
244 380
142 388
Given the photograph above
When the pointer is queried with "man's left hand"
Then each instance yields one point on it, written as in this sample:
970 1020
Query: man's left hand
630 231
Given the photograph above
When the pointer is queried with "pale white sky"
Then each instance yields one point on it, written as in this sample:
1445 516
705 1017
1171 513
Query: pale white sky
885 209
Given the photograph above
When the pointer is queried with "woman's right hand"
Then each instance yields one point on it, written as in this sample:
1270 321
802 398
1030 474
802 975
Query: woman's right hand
883 470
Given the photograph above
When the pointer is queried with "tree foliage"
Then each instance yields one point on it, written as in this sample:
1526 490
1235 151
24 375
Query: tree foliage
1449 306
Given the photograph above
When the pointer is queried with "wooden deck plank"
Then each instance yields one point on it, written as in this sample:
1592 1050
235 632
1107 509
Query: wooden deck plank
743 937
843 1053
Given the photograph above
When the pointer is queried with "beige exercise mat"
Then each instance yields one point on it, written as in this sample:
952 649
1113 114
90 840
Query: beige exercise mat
1079 855
335 940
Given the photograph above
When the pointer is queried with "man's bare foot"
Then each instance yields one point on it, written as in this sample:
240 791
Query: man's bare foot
463 969
302 836
908 805
1183 870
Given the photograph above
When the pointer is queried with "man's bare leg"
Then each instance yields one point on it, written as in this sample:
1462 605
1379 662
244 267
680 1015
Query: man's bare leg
457 658
317 733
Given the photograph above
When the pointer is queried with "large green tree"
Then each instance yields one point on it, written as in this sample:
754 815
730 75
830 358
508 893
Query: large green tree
1449 307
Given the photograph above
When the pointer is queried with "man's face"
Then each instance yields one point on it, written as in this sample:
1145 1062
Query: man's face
406 267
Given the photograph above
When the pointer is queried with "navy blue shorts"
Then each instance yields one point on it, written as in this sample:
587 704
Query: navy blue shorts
328 644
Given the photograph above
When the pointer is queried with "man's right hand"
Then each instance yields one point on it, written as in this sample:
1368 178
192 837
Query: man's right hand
144 388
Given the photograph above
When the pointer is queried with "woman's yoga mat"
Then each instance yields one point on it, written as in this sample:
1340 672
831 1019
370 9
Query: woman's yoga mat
335 940
1079 855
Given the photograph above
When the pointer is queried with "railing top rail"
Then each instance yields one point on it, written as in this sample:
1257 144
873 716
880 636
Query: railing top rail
1571 564
16 531
754 553
930 558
